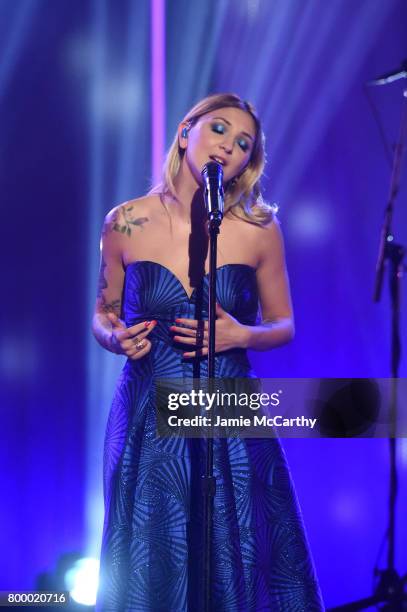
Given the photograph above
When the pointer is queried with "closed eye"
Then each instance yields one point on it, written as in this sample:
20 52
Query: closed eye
218 128
243 144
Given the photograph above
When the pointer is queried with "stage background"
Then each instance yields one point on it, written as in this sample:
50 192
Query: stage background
79 92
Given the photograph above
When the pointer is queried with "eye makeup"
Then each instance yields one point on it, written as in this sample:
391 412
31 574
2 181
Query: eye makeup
219 128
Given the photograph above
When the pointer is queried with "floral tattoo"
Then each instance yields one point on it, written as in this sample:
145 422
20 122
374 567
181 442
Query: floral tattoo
122 220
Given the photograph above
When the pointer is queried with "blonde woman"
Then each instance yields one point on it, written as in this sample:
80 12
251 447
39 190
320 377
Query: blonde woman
152 307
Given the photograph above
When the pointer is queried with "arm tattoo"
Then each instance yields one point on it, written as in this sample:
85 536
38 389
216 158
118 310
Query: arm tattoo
124 218
114 306
102 283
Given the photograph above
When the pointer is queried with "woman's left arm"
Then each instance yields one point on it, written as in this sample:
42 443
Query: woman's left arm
277 325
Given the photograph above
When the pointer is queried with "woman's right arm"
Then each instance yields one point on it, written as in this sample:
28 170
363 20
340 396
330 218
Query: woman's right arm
110 283
108 329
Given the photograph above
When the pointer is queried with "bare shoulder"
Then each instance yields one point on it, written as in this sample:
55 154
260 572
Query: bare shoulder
270 236
270 229
264 241
131 214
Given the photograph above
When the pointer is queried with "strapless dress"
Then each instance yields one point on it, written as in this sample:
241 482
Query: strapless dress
151 556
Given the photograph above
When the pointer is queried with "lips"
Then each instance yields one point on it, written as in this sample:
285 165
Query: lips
218 160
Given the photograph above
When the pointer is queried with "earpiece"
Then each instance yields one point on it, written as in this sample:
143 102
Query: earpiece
184 132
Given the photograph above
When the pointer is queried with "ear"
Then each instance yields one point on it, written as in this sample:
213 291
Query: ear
183 129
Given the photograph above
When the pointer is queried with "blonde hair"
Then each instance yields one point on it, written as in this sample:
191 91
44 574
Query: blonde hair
243 194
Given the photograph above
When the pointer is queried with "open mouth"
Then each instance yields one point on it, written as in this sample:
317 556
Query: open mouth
218 160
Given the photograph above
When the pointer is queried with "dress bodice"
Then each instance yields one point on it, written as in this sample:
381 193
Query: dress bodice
152 291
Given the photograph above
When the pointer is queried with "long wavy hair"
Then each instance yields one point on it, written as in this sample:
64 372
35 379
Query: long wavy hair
243 196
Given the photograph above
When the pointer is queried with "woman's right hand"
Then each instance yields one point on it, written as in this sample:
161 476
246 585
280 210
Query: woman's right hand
130 341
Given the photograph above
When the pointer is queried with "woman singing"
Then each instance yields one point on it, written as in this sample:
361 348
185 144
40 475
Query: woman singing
152 306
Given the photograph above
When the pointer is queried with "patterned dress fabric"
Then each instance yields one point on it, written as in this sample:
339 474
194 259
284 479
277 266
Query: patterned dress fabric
151 557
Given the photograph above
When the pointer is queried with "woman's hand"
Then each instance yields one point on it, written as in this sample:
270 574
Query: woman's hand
130 341
229 333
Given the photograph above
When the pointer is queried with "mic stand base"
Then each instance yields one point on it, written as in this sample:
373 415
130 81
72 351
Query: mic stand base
389 591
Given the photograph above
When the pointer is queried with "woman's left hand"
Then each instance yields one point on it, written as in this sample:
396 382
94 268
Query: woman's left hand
229 333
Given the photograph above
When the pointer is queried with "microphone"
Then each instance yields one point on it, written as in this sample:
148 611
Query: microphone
389 77
212 175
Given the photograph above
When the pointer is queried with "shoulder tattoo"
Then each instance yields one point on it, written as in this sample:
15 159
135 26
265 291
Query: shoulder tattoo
123 219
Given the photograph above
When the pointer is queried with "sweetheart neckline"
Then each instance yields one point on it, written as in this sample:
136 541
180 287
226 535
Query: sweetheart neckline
189 296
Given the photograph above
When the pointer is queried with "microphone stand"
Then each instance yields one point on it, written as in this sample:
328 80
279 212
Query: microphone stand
214 205
390 587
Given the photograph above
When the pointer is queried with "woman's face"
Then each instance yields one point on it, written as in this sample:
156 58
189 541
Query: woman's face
225 135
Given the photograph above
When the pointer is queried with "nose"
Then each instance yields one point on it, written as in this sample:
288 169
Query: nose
227 146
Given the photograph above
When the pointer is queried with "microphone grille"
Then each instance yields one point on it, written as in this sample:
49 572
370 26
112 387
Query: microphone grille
212 170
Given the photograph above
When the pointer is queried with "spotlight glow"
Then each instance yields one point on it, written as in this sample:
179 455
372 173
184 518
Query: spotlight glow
120 99
347 508
310 221
82 581
253 8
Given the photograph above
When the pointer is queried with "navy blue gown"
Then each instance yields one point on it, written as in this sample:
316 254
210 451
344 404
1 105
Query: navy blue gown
151 549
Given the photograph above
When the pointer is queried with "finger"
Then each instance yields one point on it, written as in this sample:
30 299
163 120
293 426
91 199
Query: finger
127 343
141 354
193 323
115 321
192 337
133 330
188 322
199 353
135 353
183 330
185 340
130 344
143 334
121 334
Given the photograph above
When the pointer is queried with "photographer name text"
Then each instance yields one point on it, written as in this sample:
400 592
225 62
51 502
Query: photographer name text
255 421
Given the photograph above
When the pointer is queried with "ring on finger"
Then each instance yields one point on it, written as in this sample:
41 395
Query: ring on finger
139 344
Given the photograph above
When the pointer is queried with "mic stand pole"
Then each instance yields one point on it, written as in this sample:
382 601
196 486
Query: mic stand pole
390 588
209 480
